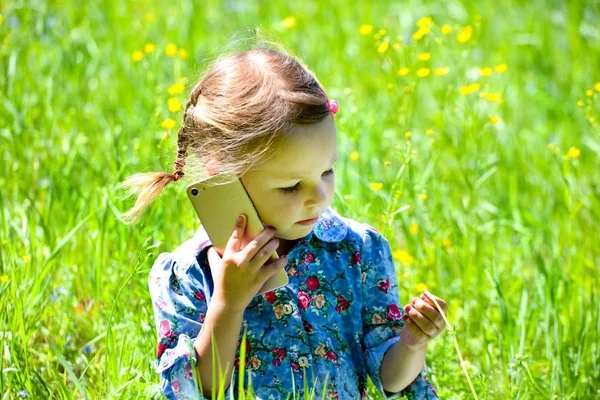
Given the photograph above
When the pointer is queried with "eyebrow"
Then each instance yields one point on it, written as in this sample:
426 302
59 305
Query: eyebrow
296 176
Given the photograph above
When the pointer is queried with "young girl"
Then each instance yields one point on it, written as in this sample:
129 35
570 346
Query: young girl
264 116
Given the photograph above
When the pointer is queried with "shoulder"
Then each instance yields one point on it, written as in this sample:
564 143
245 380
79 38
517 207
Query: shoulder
335 228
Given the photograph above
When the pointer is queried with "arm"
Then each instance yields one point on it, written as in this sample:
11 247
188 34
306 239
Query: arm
401 365
225 325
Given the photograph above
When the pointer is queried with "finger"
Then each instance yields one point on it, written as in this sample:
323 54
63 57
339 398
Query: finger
421 321
271 269
235 241
265 253
428 297
431 313
257 243
416 331
213 256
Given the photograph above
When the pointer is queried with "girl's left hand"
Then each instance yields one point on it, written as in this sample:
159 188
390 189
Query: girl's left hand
422 321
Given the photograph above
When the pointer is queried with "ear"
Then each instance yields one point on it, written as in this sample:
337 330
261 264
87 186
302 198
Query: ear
212 167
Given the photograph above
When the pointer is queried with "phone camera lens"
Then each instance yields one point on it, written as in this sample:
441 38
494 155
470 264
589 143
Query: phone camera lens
194 191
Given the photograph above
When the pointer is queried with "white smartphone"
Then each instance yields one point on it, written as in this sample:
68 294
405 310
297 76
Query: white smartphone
218 201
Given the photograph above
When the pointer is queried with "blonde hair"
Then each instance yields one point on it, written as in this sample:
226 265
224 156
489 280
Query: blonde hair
236 115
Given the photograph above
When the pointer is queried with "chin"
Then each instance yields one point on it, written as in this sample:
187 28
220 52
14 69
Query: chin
295 233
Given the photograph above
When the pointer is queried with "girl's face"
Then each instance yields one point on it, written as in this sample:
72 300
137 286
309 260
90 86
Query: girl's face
297 183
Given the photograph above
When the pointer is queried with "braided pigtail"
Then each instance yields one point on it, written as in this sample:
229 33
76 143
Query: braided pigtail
148 186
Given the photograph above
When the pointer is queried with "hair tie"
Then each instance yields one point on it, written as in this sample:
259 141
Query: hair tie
331 104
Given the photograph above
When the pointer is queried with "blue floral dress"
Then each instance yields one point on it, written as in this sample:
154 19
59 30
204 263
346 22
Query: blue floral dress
331 325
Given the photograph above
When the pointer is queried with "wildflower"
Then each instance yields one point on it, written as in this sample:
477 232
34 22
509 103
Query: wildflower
408 134
491 96
423 72
597 86
382 31
589 93
397 46
173 104
69 340
149 16
26 258
289 22
4 278
446 243
441 71
23 394
376 186
423 197
429 132
551 146
171 49
365 29
446 29
377 36
403 256
421 32
176 89
413 228
424 56
1 19
580 103
573 152
383 47
500 68
387 163
487 71
183 54
403 71
494 120
592 119
137 56
423 22
468 89
354 156
149 48
421 287
168 123
464 34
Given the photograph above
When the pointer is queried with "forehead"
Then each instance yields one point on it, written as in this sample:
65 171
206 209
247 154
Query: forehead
308 150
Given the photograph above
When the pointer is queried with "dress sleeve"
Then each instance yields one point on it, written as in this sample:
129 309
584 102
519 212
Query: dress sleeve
382 314
179 306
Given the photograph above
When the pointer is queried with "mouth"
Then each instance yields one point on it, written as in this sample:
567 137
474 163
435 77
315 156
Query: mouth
309 221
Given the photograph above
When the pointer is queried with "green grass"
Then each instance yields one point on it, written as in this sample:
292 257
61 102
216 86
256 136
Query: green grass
508 234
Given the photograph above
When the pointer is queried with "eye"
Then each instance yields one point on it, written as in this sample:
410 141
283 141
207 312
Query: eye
296 187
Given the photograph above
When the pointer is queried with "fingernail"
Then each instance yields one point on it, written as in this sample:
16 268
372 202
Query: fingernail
407 308
240 219
404 317
414 300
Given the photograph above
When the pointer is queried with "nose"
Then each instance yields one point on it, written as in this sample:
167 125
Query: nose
317 196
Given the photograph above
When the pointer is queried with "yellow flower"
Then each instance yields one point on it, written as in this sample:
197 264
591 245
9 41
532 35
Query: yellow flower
168 123
289 22
592 119
446 29
429 132
423 22
493 119
464 34
468 89
26 258
597 86
176 89
4 278
441 71
580 103
387 163
383 47
365 29
403 71
183 54
500 68
423 197
171 49
487 71
149 16
573 152
491 96
421 32
376 186
354 156
589 93
446 243
551 146
423 72
414 228
421 287
382 31
173 104
149 48
397 46
424 56
377 36
408 134
137 56
403 256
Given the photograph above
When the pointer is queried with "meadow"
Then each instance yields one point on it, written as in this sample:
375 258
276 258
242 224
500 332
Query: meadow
469 134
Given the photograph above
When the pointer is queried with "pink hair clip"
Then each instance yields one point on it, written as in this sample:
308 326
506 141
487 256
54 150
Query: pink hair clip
331 104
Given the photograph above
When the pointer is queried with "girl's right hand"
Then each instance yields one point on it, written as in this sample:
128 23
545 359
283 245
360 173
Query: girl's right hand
241 272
